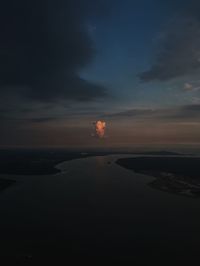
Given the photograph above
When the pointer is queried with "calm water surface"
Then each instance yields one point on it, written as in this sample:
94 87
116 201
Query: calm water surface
96 210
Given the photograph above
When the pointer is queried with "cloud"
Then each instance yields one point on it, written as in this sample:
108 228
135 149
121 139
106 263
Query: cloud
43 47
131 113
173 114
100 127
189 87
196 100
179 53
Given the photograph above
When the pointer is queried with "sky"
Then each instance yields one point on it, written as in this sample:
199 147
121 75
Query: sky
67 63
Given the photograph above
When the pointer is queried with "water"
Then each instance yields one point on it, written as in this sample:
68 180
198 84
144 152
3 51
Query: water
96 211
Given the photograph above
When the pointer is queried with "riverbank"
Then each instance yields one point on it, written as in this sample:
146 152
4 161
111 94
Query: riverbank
43 162
179 175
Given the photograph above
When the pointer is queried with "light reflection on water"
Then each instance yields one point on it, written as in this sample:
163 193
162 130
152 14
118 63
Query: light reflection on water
95 205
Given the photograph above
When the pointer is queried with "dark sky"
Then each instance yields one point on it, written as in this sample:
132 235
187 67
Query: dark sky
67 63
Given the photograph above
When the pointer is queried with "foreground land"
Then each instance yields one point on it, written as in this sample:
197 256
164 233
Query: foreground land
43 162
179 175
36 162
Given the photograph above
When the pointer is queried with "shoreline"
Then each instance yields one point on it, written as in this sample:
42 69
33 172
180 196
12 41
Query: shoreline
177 175
45 162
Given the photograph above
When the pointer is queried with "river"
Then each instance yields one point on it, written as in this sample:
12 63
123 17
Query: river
95 209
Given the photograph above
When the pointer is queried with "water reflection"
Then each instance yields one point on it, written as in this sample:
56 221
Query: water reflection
95 208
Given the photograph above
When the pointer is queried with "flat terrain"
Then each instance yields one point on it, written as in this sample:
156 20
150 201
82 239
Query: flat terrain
180 175
43 162
36 162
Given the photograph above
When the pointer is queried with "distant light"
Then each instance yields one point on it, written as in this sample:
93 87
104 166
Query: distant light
100 127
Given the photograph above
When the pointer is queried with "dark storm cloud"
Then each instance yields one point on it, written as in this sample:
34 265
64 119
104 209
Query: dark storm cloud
179 53
43 46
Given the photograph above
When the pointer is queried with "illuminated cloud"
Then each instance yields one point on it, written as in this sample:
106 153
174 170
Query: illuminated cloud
191 87
100 127
188 87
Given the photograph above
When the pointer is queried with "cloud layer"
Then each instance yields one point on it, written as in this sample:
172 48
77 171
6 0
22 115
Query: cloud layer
179 52
43 47
184 113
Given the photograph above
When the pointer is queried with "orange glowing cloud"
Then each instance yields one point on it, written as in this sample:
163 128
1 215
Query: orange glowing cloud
100 127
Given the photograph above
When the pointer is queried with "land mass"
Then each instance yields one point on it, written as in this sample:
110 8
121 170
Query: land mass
179 175
36 162
43 161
